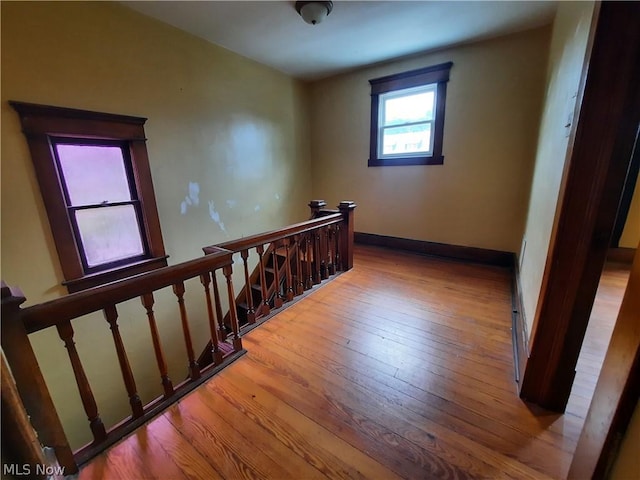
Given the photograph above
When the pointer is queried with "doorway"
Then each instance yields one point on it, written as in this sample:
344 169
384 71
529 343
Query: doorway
591 191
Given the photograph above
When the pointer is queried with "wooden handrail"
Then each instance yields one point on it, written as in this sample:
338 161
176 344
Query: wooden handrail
29 380
326 243
53 312
291 260
273 235
18 322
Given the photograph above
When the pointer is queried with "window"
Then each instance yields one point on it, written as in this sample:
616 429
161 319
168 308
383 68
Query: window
95 181
407 117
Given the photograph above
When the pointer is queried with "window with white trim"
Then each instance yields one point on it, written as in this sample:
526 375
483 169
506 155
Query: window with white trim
407 117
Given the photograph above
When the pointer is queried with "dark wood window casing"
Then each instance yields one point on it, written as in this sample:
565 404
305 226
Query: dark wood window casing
44 127
436 74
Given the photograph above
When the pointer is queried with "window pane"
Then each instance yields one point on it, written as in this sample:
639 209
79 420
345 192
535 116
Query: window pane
94 174
109 234
403 140
409 108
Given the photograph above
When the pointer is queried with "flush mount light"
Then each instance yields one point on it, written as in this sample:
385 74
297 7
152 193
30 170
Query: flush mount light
314 12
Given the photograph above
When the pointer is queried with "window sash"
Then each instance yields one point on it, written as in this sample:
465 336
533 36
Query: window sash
72 209
434 77
383 126
417 153
82 248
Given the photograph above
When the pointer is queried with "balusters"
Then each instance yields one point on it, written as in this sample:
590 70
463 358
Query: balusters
216 353
290 287
65 330
237 342
222 333
194 369
308 266
251 313
322 240
263 282
331 268
299 274
277 299
111 315
336 243
167 385
316 260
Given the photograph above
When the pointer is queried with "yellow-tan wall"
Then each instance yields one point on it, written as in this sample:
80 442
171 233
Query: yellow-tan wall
631 232
627 463
234 127
571 30
479 196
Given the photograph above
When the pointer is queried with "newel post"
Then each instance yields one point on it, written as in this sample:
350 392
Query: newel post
346 234
29 380
316 206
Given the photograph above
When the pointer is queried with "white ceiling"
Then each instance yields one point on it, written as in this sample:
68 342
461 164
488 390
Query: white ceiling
355 34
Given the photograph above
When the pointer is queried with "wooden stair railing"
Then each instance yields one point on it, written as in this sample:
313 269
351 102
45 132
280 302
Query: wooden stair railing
17 323
295 259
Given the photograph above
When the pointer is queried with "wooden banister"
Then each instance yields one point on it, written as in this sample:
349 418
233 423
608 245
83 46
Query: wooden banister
194 370
216 353
237 342
18 322
290 260
167 385
111 315
17 430
29 380
65 330
346 234
273 235
48 314
263 281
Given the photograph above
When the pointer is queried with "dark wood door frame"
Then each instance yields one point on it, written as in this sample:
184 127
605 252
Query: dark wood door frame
617 391
591 190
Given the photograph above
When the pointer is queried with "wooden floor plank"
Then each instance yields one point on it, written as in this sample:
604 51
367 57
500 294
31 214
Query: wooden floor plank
396 351
399 368
233 455
259 437
447 389
449 414
424 443
315 443
192 463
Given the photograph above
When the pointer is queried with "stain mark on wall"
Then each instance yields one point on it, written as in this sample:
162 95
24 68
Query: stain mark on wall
215 216
192 199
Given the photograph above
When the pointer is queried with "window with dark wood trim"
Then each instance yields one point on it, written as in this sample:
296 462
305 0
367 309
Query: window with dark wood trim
94 177
407 117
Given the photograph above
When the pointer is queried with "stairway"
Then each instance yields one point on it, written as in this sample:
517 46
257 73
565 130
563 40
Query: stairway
277 294
290 257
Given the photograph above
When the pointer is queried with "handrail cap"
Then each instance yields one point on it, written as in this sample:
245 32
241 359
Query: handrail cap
347 204
11 294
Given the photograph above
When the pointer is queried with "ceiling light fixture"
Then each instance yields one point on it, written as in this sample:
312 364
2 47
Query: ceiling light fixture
314 12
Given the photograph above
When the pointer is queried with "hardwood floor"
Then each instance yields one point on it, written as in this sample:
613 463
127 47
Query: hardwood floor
399 368
606 306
